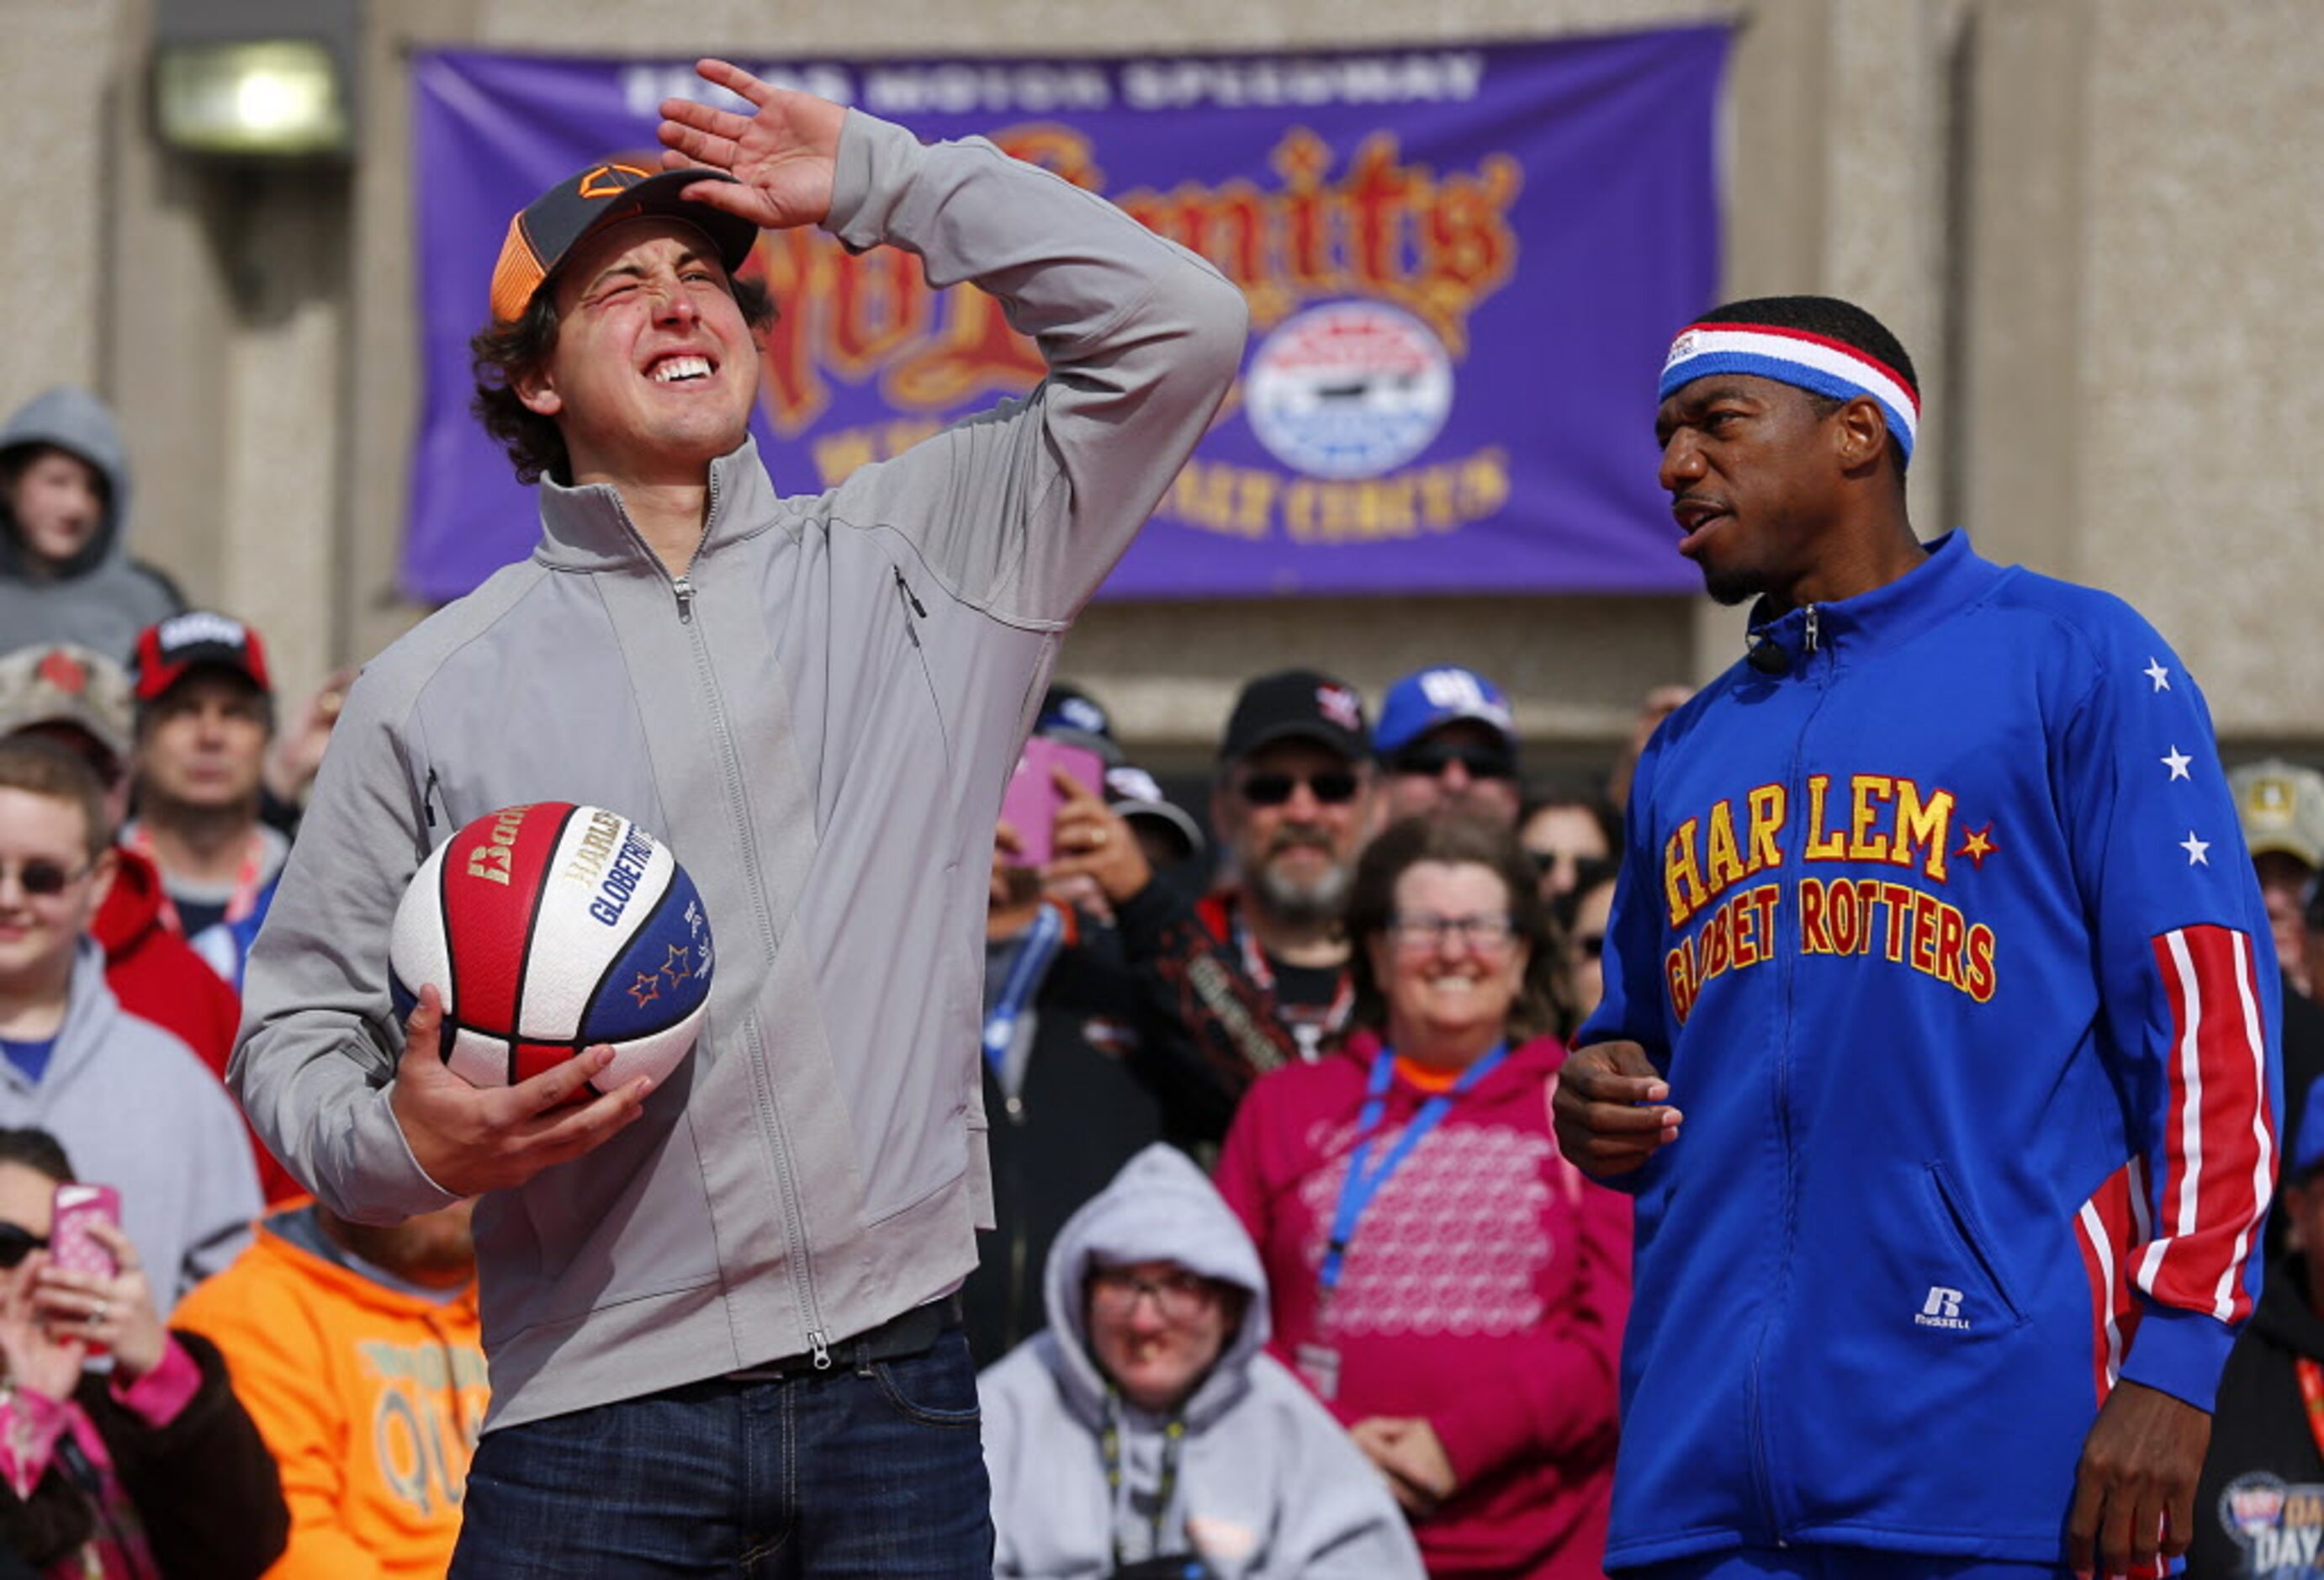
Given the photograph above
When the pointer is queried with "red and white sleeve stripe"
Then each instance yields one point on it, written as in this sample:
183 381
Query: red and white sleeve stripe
2216 1163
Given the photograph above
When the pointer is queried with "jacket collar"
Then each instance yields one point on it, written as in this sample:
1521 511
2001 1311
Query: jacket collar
1950 580
586 528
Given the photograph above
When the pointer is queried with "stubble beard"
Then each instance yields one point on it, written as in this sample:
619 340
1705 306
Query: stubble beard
1302 904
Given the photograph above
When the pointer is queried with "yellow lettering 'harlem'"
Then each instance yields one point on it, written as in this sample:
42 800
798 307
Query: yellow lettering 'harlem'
1886 819
1699 867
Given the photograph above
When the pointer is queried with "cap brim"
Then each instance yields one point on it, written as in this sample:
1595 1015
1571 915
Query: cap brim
1340 742
663 197
1438 721
2286 844
1177 817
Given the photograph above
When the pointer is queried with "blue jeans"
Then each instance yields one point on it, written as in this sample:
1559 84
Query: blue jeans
873 1469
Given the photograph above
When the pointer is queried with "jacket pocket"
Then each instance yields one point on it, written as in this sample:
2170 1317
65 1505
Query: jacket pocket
1954 1217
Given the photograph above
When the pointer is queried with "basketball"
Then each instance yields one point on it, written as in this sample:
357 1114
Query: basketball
548 929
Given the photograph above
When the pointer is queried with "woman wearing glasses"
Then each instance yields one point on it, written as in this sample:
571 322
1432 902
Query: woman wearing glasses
1146 1434
150 1468
1446 1283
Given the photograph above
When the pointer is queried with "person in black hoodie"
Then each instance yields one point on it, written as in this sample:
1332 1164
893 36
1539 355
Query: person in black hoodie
2259 1507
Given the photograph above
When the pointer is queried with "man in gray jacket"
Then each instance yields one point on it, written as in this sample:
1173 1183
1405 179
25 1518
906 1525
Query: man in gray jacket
722 1333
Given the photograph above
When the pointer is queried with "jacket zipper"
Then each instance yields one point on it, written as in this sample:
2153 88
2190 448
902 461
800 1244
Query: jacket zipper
912 604
1811 640
681 588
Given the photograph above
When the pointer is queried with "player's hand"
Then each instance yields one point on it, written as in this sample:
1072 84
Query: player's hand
470 1140
1090 839
782 154
1613 1109
2134 1490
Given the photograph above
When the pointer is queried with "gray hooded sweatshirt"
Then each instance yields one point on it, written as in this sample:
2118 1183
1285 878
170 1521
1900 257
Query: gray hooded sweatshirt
137 1109
101 599
819 716
1268 1486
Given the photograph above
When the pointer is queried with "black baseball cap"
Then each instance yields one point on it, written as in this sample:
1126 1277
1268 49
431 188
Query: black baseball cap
552 225
1297 705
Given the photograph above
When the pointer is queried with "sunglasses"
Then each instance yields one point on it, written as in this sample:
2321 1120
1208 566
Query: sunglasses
1432 757
17 1243
1592 945
1335 787
44 879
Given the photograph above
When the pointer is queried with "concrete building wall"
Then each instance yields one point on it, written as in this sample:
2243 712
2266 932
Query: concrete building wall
2091 222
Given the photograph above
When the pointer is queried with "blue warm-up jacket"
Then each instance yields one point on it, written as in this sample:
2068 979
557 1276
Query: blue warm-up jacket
1939 921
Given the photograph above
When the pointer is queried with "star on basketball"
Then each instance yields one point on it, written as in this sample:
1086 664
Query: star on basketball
2198 850
675 967
647 988
2177 764
1977 844
2155 672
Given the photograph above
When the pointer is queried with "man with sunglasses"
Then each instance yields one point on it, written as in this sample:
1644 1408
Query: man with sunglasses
1448 744
130 1101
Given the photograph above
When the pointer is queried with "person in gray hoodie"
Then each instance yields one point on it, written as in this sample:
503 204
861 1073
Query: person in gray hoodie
137 1106
718 1308
1146 1431
65 570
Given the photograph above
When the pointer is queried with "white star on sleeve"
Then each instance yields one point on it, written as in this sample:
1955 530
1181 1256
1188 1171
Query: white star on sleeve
2155 672
2197 850
2177 764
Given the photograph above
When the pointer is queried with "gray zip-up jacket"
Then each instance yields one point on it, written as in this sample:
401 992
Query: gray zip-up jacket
820 718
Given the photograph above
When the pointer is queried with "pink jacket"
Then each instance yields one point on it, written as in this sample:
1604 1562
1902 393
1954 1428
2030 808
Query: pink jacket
1484 1290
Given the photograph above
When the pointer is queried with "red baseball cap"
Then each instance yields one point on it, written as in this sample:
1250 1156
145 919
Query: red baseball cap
169 649
552 225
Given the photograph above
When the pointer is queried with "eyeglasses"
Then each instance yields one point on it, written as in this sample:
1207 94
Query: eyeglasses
1432 757
17 1243
44 879
1335 787
1180 1296
1485 932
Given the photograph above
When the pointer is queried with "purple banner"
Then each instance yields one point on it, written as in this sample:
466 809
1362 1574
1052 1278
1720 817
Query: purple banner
1464 266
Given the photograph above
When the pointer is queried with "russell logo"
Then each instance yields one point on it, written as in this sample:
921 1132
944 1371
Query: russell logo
1943 1309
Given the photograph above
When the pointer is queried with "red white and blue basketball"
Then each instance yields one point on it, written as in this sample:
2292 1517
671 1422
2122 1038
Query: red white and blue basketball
548 929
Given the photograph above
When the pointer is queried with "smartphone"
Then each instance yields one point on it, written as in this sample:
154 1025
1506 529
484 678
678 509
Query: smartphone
70 1245
1031 804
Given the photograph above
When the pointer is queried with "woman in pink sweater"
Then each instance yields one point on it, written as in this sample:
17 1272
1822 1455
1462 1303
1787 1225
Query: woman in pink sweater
1447 1283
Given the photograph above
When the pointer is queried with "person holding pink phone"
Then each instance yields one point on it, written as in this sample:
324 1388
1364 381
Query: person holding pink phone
152 1466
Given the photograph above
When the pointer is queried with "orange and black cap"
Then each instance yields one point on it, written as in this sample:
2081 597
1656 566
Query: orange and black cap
553 224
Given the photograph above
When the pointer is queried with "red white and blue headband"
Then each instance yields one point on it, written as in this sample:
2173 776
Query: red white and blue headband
1828 367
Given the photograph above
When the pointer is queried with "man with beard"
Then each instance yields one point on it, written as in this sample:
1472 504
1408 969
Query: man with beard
1292 805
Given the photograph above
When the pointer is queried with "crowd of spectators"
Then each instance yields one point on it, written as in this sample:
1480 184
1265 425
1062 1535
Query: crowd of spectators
1287 1277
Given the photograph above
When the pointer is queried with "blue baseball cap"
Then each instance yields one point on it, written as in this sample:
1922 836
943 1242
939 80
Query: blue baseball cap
1429 699
2311 1131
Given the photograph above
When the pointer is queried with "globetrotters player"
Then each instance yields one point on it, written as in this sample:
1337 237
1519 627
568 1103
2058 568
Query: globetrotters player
727 1330
1936 927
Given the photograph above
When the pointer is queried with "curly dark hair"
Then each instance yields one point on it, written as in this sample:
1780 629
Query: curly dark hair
499 355
1456 842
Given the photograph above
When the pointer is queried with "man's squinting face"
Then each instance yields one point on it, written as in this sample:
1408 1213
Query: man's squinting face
655 368
1748 465
58 504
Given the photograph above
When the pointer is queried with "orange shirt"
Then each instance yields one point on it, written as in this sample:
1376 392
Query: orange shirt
370 1397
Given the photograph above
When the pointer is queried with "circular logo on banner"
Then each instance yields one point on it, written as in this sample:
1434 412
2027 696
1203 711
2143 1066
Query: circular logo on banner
1351 390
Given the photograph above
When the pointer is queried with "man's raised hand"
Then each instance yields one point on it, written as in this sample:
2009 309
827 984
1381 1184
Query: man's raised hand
470 1140
1612 1110
782 154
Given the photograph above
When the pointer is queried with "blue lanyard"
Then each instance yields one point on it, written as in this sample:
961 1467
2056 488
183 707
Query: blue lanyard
1001 1017
1357 1191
